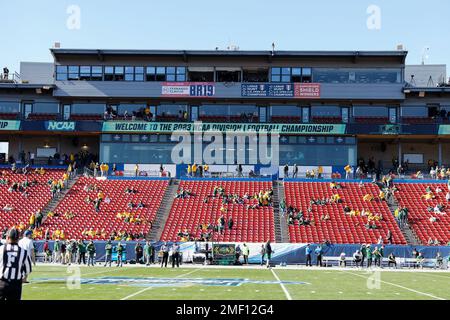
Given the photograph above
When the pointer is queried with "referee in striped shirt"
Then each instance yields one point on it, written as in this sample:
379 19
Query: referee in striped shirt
15 265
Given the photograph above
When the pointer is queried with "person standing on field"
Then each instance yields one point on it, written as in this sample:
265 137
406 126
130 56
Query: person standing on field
245 253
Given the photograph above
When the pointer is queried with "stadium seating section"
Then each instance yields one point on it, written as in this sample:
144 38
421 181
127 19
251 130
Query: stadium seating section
417 120
254 225
373 120
327 119
9 116
81 117
285 119
42 116
250 225
38 198
341 228
409 195
151 192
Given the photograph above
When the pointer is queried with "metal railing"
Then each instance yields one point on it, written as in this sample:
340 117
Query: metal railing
10 77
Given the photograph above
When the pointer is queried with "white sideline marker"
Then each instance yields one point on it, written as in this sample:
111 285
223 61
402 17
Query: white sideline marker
399 286
148 288
288 296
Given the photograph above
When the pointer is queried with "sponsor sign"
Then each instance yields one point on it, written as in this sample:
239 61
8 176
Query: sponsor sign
188 89
12 125
283 90
170 282
444 129
169 127
390 129
59 126
307 90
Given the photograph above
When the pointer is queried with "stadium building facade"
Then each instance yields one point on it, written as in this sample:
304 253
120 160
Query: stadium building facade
329 108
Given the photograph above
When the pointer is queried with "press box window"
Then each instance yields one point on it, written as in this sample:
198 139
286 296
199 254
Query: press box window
285 74
129 73
119 73
296 75
97 73
306 75
160 73
181 73
138 73
109 73
170 75
85 73
61 73
150 74
74 73
276 75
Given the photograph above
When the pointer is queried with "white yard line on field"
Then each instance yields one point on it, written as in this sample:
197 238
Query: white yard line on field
399 286
288 296
148 288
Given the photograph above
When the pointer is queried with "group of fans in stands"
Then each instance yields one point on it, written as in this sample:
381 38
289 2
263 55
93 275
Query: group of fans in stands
207 229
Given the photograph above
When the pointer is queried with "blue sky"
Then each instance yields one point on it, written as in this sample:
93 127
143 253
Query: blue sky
31 27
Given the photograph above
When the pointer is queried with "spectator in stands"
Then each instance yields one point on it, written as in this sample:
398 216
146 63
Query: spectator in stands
221 223
38 219
32 221
295 171
348 172
380 240
8 208
239 170
432 173
5 73
230 223
319 172
357 258
286 171
389 237
447 196
382 195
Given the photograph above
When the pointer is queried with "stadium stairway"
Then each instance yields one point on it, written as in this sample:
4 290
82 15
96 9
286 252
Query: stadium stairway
53 204
163 212
281 228
408 233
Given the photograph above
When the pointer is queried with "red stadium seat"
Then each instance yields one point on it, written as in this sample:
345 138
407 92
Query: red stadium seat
341 228
254 225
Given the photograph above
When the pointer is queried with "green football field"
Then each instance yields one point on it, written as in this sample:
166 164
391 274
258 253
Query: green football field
53 282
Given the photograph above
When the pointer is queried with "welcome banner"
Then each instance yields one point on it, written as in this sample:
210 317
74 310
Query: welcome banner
168 127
